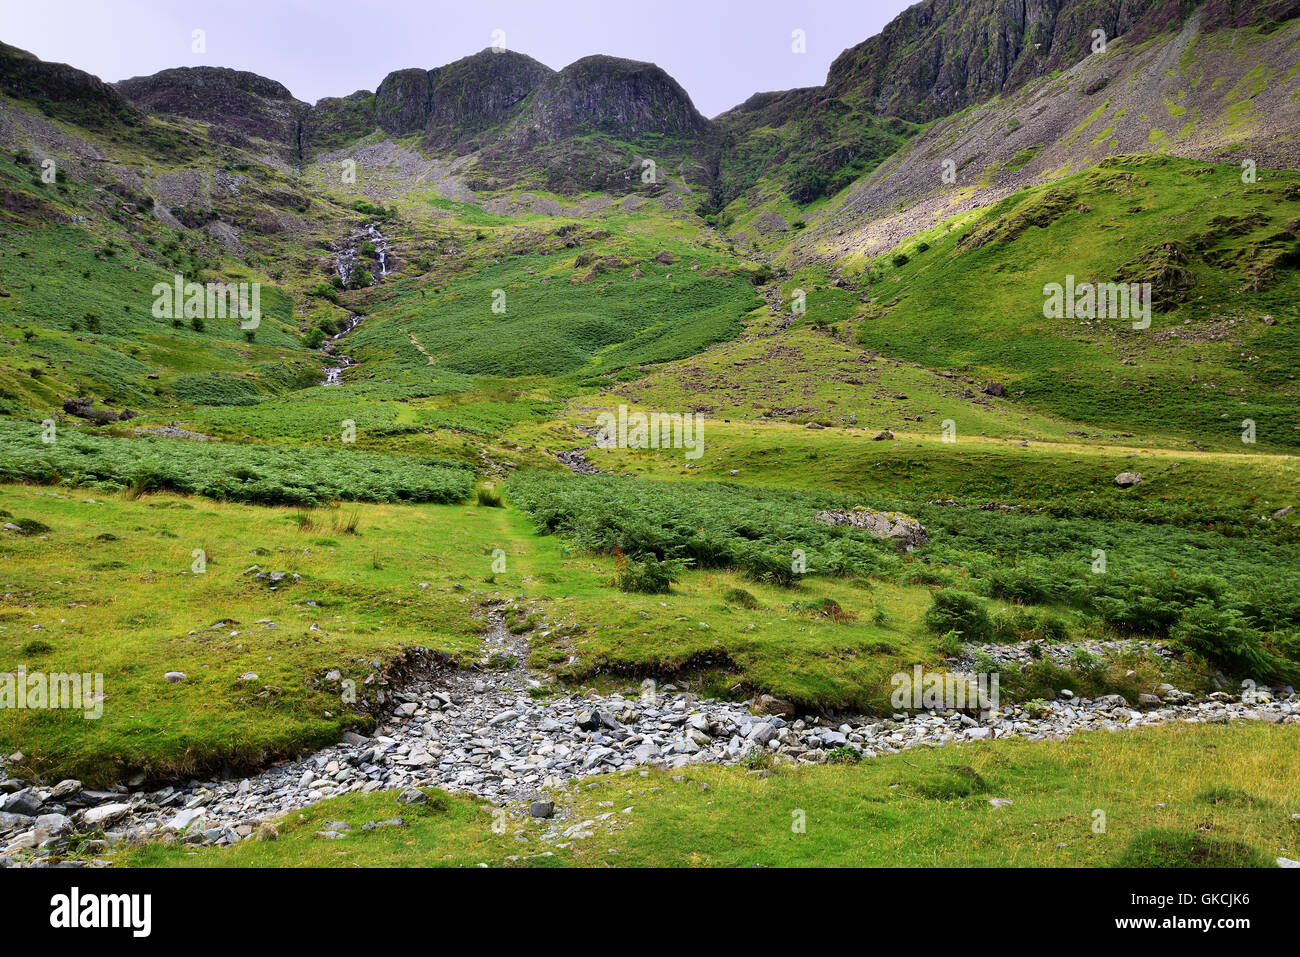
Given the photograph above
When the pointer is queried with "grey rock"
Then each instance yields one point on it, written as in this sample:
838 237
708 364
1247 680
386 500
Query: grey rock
761 733
64 790
105 815
888 525
26 801
53 825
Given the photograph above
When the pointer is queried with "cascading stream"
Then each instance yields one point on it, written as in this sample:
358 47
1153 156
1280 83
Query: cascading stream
334 374
345 263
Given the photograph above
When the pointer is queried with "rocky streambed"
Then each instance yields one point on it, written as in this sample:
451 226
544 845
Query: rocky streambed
505 735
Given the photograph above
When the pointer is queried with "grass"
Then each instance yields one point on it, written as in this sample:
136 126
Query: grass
1163 575
83 290
1204 365
110 589
507 319
924 808
680 569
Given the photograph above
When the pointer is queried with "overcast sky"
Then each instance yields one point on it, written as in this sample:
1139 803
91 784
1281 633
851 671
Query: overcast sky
721 51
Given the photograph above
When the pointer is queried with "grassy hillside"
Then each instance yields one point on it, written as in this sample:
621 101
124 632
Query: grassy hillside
1223 258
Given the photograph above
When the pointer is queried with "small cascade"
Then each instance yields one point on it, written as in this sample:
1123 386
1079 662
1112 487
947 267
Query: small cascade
334 374
347 258
381 247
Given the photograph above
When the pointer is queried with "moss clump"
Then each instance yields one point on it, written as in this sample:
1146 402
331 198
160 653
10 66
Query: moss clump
1162 847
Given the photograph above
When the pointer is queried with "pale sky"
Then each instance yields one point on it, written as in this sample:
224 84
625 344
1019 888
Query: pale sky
721 51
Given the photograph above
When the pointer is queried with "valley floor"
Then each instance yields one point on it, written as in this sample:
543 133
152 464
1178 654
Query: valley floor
1100 799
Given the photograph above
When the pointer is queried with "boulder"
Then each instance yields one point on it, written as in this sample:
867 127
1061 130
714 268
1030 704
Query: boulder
896 526
767 704
105 815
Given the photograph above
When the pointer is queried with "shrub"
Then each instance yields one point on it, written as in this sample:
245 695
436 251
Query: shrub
262 474
326 290
1023 624
1020 583
649 576
844 754
1224 638
489 498
823 608
738 596
360 278
952 610
1153 606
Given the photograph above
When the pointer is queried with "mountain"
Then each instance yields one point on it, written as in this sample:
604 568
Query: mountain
982 355
57 89
239 102
940 56
624 98
1189 93
452 104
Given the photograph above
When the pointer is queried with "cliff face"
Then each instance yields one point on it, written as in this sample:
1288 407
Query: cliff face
941 56
402 101
336 121
624 98
455 102
497 99
244 102
63 91
479 93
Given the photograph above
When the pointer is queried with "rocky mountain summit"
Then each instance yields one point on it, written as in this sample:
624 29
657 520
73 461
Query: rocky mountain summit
236 99
499 107
452 104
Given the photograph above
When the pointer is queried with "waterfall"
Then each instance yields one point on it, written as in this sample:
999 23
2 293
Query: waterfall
381 247
334 374
348 257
